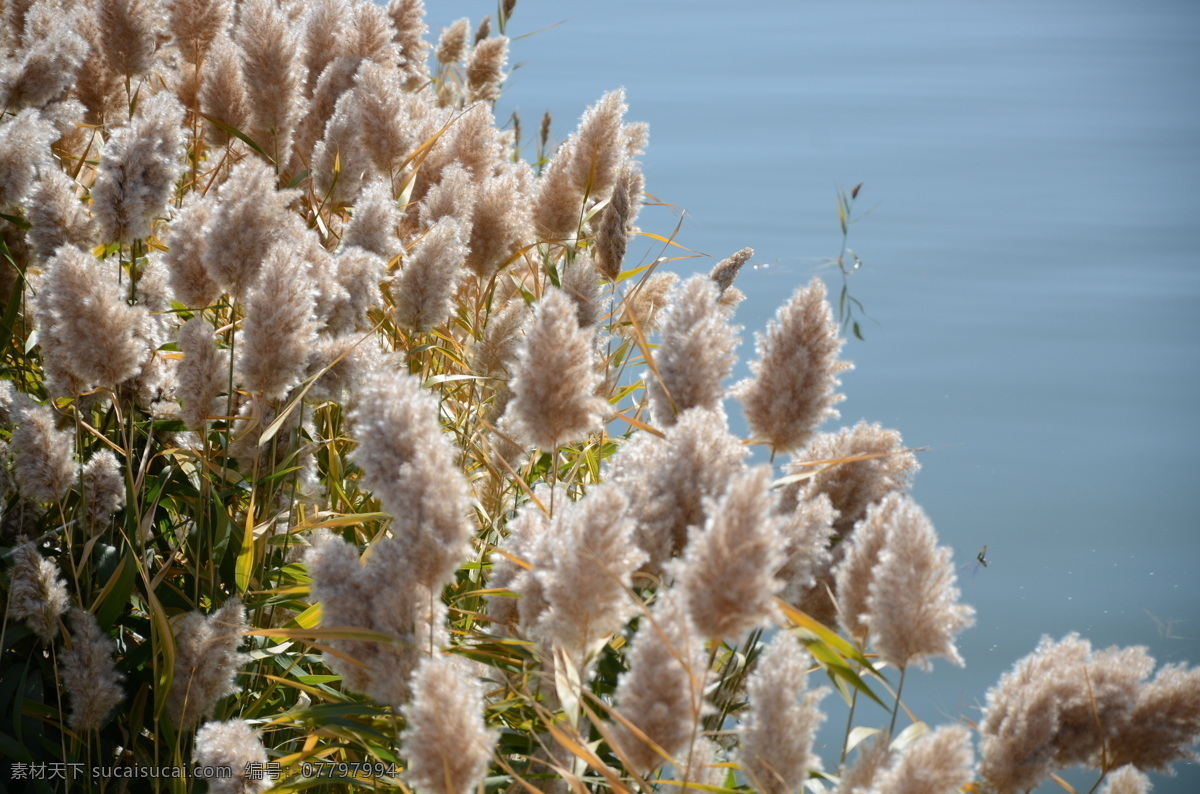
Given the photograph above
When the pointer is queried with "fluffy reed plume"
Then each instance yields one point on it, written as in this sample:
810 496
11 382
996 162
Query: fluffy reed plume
185 255
807 532
127 37
196 23
280 326
46 63
452 44
410 466
1163 723
941 763
876 464
727 270
423 291
391 120
912 607
342 589
274 74
43 460
612 238
340 163
585 166
445 739
373 227
777 736
485 69
408 17
695 354
89 674
484 30
643 306
138 169
792 391
726 576
358 273
553 378
370 35
668 480
229 748
323 25
1126 780
1064 705
203 373
502 219
103 489
873 757
206 661
89 331
223 93
587 560
856 569
453 197
579 281
248 219
662 693
37 594
57 215
23 144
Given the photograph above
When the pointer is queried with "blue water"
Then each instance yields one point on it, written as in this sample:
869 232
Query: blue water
1030 265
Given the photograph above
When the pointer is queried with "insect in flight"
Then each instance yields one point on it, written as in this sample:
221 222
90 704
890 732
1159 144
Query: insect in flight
979 564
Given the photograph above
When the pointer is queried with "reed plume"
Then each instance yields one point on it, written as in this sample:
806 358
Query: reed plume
445 739
423 291
280 326
46 63
726 576
776 750
57 215
89 673
274 74
553 378
43 459
37 594
206 661
23 144
695 354
912 607
792 390
411 467
662 693
229 748
940 763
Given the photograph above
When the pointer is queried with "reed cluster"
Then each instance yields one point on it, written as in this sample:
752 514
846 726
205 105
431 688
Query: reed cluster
341 422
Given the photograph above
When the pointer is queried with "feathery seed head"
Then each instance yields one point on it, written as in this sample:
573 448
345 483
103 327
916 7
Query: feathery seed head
447 743
792 390
410 466
89 674
37 594
777 736
231 747
553 378
206 661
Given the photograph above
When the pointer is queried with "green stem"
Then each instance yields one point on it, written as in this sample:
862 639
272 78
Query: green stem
896 709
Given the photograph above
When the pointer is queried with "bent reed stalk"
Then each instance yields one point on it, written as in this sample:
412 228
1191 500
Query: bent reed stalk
322 465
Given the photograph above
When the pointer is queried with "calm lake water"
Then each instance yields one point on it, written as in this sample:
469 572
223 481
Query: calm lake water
1030 266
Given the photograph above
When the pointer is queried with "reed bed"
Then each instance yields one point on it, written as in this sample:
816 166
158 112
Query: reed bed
345 446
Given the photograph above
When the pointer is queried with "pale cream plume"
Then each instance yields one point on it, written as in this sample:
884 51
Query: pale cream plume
776 751
37 594
662 693
695 355
553 378
792 390
726 576
445 739
89 674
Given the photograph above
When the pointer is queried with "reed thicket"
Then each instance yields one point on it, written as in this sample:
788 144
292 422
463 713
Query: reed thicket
344 446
